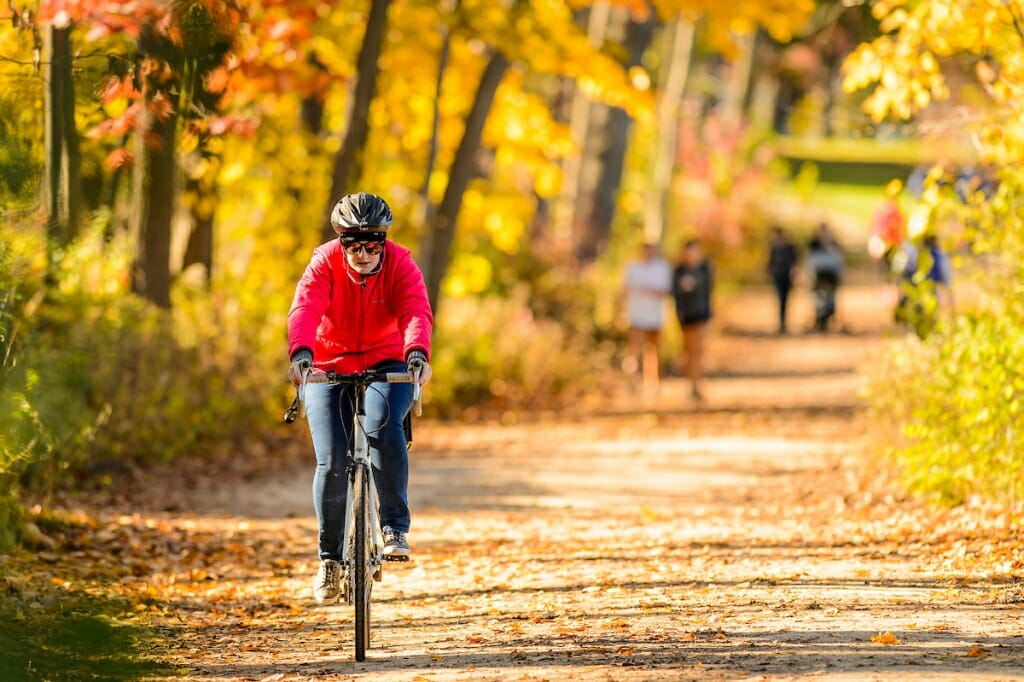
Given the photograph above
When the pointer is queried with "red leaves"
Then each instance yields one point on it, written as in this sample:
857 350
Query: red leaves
114 87
217 79
117 158
118 126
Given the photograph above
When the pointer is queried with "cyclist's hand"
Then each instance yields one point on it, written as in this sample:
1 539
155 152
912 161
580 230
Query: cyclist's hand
418 360
302 362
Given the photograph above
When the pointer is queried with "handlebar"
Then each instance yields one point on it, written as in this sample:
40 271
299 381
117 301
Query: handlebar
358 379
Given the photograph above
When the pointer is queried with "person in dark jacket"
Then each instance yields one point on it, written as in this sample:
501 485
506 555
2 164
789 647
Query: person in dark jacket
692 282
782 260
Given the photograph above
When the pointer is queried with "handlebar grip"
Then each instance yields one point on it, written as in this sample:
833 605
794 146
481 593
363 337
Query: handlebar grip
417 390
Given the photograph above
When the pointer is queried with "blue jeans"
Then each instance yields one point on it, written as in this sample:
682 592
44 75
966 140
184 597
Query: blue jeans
329 411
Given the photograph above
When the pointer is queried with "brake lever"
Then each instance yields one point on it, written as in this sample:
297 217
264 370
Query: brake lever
292 412
298 406
417 392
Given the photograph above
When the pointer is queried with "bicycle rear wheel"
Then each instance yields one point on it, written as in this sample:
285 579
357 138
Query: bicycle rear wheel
362 575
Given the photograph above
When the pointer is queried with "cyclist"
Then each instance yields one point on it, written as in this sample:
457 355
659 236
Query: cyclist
360 304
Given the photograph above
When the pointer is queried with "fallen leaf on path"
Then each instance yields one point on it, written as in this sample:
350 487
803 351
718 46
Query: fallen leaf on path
977 652
887 638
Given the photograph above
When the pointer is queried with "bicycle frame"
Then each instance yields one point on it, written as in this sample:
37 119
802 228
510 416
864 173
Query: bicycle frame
360 457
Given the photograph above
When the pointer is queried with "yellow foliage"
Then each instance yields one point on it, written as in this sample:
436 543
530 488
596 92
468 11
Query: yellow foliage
469 274
904 66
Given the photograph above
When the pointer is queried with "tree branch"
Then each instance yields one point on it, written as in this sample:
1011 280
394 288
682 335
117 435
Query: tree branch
89 55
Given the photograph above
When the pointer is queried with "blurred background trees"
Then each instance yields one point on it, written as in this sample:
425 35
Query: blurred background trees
166 167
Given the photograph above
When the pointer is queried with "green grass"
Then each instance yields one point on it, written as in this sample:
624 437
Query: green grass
53 634
902 152
858 202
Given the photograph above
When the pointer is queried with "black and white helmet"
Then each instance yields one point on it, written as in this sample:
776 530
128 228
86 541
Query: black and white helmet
361 211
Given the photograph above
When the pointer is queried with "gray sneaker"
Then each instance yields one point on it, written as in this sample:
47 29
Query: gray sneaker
327 586
396 546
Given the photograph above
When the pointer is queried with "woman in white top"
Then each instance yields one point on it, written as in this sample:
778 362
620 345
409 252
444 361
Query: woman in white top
648 283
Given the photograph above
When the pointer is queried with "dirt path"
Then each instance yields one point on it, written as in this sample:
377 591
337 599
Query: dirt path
731 540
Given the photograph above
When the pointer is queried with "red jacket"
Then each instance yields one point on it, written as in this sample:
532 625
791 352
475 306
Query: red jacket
350 321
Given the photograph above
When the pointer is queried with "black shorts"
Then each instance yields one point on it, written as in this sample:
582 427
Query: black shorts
691 320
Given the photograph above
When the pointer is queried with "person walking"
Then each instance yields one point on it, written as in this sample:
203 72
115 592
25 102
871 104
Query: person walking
825 262
360 304
647 285
782 262
926 284
692 283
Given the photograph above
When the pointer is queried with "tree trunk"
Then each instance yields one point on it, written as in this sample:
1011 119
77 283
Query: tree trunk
737 85
348 165
764 88
613 159
426 212
63 188
566 213
672 87
153 194
312 107
199 249
437 243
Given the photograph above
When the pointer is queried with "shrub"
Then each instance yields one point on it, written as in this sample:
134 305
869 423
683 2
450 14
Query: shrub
953 403
96 378
499 353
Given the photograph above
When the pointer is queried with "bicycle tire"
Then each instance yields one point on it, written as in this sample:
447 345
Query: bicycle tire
362 578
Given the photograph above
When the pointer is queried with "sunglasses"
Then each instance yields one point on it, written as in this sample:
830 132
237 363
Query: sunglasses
353 245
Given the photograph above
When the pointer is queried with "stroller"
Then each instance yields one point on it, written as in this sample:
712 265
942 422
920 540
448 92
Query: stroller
825 265
825 284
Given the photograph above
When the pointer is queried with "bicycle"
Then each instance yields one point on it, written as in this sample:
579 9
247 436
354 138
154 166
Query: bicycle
362 553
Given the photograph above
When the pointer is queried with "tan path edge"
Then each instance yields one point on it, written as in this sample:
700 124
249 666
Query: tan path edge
669 543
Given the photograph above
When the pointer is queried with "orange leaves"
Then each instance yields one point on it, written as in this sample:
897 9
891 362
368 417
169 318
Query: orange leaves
977 652
217 79
570 631
114 88
887 639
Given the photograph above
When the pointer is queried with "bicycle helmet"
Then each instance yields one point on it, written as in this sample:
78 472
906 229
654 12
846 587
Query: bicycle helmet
361 212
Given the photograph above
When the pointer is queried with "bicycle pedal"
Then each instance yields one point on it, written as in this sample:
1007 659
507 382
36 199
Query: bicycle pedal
393 557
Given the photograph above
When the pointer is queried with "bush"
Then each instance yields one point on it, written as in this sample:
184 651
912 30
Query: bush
499 353
95 379
958 402
953 403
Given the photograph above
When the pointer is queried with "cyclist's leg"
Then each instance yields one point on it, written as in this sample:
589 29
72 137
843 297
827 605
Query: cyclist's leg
386 407
329 411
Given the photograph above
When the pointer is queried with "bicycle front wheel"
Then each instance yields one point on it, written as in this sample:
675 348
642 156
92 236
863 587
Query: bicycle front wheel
362 575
